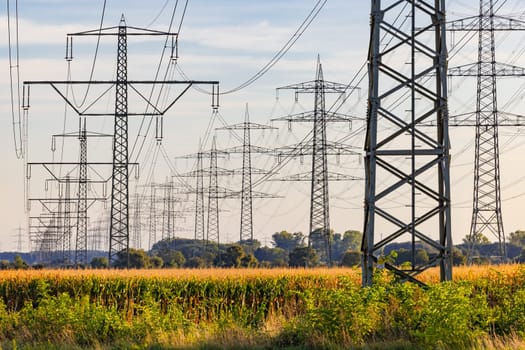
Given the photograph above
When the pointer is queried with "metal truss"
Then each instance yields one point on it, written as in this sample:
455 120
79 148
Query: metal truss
319 236
407 188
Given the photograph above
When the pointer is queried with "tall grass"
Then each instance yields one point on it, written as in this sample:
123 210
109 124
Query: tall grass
247 308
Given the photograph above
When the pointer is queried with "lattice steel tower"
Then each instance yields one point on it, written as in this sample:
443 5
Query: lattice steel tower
405 163
486 208
199 200
247 193
212 229
119 225
67 221
319 226
82 218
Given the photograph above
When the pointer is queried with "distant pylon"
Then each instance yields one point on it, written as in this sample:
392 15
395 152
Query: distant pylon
152 217
486 211
67 221
212 231
82 219
319 233
487 215
199 200
247 193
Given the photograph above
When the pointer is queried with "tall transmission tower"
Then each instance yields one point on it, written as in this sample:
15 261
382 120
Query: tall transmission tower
486 208
403 163
199 200
212 227
67 221
214 192
152 216
118 228
82 217
119 218
319 233
137 232
247 193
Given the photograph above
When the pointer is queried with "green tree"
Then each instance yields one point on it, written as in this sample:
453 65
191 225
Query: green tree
351 258
171 257
517 238
478 239
272 257
99 262
249 260
421 256
138 259
458 258
250 245
341 243
405 256
352 239
232 257
19 263
288 241
303 257
5 264
521 258
196 262
156 262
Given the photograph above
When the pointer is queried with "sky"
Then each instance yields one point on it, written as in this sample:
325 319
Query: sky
228 41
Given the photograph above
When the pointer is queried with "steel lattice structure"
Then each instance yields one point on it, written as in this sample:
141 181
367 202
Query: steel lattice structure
82 208
405 164
66 246
319 225
247 193
119 225
152 217
119 220
199 201
486 211
212 227
486 208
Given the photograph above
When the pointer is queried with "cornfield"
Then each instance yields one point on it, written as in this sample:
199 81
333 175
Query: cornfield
271 307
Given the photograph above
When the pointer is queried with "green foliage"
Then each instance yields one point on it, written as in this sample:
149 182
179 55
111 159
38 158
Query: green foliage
315 311
235 256
134 258
171 257
288 241
517 238
349 240
99 262
19 263
458 258
303 257
272 257
477 238
405 256
351 258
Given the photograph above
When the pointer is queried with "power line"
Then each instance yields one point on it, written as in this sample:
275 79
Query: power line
15 115
277 57
94 59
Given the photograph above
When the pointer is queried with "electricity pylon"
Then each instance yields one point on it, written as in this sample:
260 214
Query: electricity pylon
82 217
247 193
119 224
81 241
211 234
486 207
319 234
405 164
